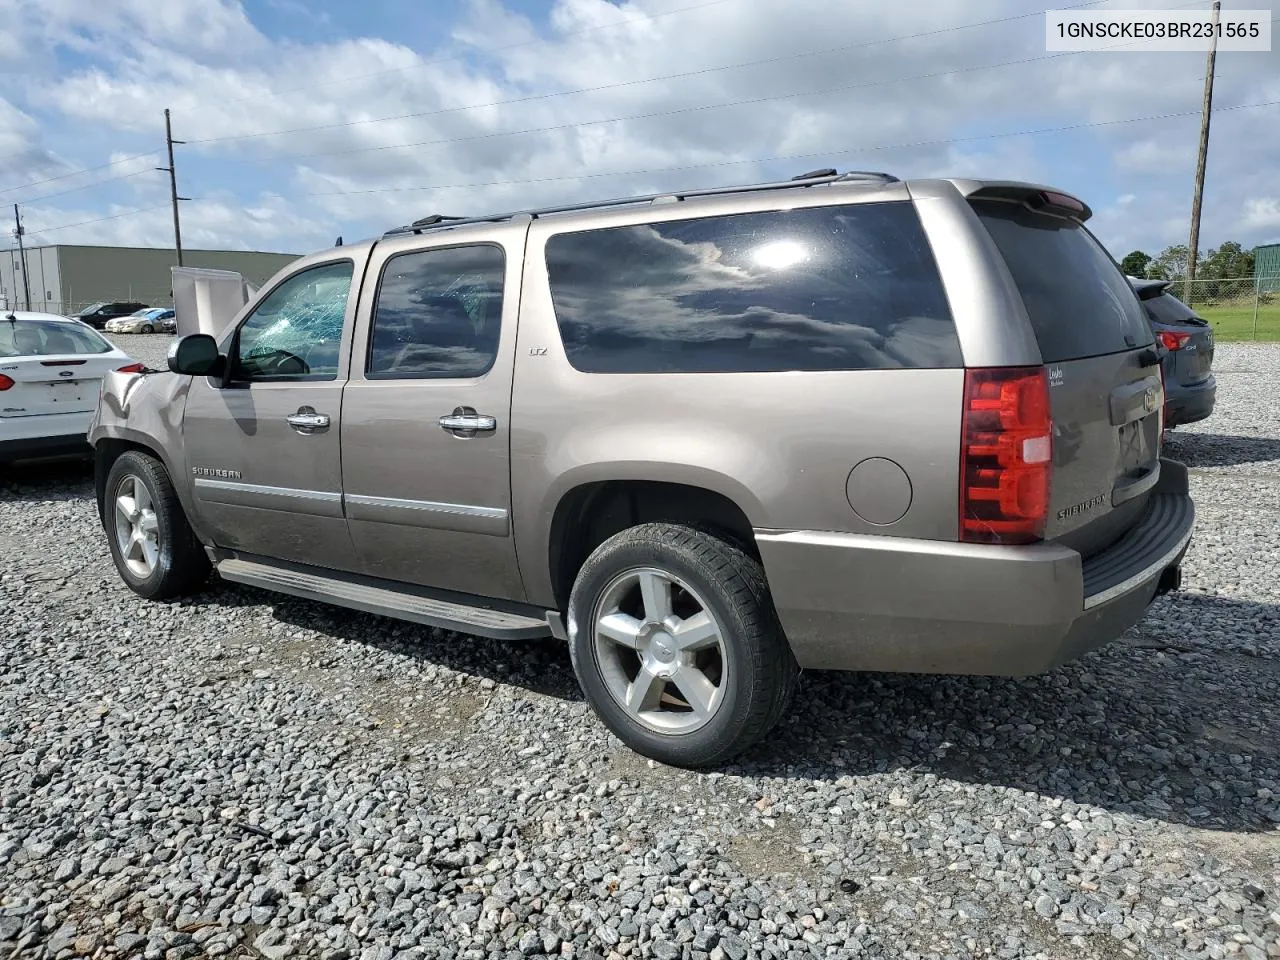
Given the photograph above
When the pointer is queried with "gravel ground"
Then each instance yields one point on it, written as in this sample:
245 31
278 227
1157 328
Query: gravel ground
241 774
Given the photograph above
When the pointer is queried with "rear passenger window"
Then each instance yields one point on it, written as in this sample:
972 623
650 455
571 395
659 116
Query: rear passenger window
438 314
823 288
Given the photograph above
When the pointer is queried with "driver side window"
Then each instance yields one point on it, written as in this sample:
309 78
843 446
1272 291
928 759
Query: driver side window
295 333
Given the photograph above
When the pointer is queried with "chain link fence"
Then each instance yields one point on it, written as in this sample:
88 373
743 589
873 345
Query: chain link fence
1243 308
77 303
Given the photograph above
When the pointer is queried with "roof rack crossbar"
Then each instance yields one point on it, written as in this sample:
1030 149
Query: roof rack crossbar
805 180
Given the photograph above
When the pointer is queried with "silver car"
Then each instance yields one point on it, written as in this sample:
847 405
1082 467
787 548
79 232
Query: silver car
708 438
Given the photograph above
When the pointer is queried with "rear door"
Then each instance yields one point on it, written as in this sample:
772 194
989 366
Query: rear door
52 367
426 414
1104 373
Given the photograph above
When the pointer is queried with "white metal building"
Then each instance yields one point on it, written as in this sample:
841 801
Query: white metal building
63 278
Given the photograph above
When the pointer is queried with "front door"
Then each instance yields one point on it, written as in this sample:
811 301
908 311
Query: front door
426 414
262 445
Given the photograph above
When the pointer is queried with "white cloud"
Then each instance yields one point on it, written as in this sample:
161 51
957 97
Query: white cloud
1263 213
223 78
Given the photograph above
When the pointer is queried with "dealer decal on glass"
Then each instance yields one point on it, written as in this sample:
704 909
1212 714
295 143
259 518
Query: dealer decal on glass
1143 31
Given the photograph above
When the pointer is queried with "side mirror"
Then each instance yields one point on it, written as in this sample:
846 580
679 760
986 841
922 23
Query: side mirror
197 355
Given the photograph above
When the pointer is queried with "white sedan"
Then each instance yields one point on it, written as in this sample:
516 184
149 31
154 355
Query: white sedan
51 371
146 320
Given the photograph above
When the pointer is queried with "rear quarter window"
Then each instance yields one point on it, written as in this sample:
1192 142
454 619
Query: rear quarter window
1167 308
848 287
1079 302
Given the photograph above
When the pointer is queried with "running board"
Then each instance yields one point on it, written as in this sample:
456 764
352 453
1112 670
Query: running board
384 601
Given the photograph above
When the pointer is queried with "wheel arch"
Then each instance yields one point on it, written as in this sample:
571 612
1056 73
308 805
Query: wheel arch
108 449
588 513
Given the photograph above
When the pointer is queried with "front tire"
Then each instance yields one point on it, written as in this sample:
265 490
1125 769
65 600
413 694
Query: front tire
152 544
676 645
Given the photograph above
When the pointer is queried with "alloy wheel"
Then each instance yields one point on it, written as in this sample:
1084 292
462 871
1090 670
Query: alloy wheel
661 651
137 529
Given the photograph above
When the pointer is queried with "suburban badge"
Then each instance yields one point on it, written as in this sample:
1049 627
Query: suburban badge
1079 508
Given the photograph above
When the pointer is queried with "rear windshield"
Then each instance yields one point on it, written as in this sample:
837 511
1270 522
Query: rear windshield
43 338
1079 302
821 288
1167 308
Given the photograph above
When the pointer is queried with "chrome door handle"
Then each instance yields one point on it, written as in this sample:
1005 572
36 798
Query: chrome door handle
466 421
306 420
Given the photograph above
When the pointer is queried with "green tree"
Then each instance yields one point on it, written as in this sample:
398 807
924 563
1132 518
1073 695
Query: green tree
1170 264
1135 263
1228 261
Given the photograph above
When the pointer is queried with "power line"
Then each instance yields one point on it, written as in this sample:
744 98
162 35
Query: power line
87 186
76 173
787 157
114 216
491 50
630 83
885 40
702 166
658 113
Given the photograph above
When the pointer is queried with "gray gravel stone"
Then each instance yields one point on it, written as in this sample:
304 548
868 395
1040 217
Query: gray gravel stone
314 782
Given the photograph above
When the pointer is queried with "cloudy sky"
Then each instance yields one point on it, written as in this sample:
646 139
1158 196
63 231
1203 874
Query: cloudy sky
306 119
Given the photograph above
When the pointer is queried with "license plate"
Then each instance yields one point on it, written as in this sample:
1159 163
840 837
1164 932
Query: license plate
65 391
1135 445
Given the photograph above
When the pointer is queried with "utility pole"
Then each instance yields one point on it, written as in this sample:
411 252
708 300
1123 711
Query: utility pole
1206 110
22 255
173 185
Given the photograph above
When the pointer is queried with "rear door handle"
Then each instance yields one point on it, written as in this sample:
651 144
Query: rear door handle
306 420
466 422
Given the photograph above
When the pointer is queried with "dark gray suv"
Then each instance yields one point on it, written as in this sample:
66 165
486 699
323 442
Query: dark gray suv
709 438
1186 342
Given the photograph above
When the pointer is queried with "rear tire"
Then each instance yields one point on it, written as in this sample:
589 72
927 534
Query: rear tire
148 328
153 546
676 645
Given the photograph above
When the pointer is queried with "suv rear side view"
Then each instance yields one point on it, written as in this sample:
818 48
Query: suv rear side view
1187 361
709 438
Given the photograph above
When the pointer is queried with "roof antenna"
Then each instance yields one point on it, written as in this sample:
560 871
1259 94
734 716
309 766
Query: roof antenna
338 242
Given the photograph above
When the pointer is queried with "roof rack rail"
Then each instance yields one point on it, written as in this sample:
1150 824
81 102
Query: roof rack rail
435 218
814 178
869 175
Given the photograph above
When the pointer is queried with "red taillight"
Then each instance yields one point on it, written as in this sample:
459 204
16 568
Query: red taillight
131 368
1006 454
1173 340
5 382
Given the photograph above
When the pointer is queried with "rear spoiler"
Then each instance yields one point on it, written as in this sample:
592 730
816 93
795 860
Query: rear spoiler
1150 289
1034 195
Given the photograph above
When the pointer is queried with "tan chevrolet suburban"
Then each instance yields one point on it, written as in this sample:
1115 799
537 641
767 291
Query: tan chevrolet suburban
709 438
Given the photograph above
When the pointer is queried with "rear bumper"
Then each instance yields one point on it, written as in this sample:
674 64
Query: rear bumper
1190 404
856 602
23 438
